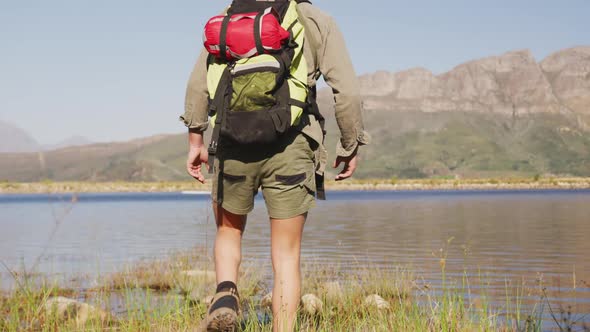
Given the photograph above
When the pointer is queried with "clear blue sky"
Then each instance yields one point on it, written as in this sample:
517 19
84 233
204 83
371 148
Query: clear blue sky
114 70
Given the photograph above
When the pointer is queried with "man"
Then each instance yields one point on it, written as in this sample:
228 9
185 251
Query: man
286 171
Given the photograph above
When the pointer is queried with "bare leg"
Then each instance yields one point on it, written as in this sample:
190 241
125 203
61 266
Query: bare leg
285 250
228 244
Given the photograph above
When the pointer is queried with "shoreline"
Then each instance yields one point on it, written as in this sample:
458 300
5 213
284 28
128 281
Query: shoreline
173 294
50 187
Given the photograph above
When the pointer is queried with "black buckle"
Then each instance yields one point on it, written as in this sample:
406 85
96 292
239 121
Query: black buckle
212 150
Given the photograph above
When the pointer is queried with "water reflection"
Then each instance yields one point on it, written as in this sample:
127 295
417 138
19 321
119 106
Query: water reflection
500 240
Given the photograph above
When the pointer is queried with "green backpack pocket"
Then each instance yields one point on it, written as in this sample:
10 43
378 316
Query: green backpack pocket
259 109
254 83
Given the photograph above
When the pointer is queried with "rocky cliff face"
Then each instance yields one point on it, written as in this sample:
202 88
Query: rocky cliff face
568 72
512 83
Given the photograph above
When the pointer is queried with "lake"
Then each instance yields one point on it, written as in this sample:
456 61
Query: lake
503 241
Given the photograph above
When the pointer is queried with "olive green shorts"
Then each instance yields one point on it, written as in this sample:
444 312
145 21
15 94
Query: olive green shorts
284 170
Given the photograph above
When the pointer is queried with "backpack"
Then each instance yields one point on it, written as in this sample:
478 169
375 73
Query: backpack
256 95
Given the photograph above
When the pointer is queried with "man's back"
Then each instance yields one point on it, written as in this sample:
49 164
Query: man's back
286 171
326 54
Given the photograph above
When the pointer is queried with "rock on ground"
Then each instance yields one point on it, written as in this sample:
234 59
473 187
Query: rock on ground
311 304
65 309
376 301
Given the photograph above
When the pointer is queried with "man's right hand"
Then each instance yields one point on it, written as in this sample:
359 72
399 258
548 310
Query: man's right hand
194 163
197 156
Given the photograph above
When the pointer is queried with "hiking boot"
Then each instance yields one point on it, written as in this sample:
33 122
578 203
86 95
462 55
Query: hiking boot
223 313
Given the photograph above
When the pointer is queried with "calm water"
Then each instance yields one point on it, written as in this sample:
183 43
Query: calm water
500 239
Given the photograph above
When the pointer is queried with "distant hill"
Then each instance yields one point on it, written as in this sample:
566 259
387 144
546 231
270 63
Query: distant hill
68 142
15 139
148 159
505 115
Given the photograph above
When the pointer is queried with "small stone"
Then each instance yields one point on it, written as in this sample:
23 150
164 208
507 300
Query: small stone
66 309
266 301
376 301
311 304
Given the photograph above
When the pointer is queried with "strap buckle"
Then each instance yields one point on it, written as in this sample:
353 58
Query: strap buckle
212 150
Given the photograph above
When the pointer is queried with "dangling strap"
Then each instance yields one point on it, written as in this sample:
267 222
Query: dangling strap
311 107
214 142
217 107
315 111
314 108
319 187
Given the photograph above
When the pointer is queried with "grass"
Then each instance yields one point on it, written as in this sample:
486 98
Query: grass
159 296
442 183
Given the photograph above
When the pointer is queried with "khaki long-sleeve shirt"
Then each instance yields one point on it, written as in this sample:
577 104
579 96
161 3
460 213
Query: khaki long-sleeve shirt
326 54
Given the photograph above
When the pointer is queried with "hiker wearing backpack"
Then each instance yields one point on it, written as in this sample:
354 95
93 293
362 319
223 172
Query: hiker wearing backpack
255 85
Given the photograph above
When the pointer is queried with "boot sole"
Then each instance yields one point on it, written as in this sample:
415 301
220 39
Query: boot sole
223 322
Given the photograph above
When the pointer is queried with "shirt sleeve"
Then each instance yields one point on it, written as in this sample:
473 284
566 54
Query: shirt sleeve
336 67
196 100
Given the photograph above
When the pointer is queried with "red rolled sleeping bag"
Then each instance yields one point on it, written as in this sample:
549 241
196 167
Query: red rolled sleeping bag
240 36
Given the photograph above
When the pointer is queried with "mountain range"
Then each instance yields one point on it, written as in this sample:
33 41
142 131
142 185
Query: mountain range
505 115
15 139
